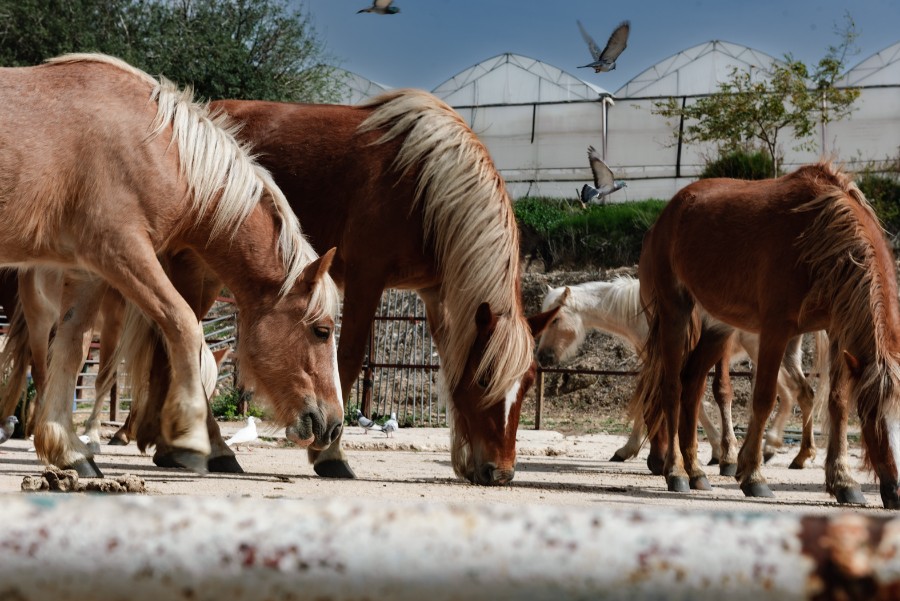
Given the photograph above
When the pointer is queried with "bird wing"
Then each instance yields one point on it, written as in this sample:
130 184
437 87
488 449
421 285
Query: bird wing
616 44
592 45
603 175
245 434
382 3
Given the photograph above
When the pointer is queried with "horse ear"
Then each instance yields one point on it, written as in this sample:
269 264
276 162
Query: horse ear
852 364
539 322
221 354
564 296
316 270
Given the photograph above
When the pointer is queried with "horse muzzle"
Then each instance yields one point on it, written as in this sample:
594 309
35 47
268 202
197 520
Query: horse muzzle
546 358
314 431
489 474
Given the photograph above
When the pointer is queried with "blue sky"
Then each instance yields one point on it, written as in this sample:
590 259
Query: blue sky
429 41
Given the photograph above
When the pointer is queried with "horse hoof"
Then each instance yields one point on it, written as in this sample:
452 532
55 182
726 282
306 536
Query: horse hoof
117 442
85 468
767 456
700 483
334 468
678 484
191 460
850 495
796 464
757 489
225 464
94 447
655 465
728 469
617 458
713 461
164 460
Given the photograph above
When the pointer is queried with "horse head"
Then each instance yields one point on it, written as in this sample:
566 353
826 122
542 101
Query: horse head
483 433
294 362
564 334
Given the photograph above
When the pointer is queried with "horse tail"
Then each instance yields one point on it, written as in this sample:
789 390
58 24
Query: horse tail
646 401
14 362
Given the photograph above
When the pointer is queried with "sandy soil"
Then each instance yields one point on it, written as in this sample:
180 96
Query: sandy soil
553 469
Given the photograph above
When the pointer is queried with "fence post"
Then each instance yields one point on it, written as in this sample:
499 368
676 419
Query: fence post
367 383
539 403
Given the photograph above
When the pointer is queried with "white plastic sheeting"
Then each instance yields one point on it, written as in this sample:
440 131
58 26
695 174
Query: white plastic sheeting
358 88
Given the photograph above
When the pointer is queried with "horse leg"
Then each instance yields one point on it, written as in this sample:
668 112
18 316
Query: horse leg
802 391
54 433
361 301
838 480
112 310
633 446
712 434
881 442
710 349
771 351
123 435
723 393
774 438
41 313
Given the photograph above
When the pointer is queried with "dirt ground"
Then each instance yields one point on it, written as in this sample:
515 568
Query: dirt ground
414 465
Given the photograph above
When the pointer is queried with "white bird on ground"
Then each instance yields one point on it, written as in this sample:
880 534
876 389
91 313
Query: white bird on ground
365 423
604 181
605 60
245 435
9 426
390 426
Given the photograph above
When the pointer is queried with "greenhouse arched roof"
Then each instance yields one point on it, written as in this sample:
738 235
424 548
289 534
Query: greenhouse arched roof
696 70
882 68
358 88
514 79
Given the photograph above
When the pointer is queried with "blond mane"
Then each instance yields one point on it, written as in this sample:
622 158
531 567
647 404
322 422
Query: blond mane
224 179
844 250
469 221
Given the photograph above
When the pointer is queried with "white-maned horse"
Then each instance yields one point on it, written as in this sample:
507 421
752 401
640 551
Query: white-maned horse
615 307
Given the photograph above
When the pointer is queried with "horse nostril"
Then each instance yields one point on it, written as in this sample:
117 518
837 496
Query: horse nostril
546 358
485 474
335 432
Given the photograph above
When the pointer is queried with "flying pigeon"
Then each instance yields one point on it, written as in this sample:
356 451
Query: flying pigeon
9 426
381 7
390 426
604 182
365 423
245 435
605 60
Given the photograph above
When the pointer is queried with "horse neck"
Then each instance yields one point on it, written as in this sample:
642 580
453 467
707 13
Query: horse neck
611 307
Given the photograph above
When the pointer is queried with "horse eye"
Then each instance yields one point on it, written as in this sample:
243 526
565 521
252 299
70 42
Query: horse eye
483 382
322 332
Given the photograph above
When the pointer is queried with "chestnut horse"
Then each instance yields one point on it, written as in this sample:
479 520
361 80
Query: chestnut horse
615 307
779 257
411 198
106 172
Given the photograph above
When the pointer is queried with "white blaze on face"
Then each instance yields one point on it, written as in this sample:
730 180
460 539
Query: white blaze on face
337 378
511 396
893 428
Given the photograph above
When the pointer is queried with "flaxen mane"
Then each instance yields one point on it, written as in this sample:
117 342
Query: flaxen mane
845 251
469 220
221 175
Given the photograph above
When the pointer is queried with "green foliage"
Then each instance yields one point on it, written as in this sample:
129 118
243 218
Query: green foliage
740 164
223 48
225 405
883 192
755 108
601 235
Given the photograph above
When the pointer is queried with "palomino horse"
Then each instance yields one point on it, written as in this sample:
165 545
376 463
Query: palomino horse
411 198
779 257
106 193
615 307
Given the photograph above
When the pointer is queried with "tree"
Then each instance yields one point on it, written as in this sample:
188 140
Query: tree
222 48
752 108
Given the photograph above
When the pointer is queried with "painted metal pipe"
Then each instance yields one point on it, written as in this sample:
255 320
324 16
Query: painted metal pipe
64 547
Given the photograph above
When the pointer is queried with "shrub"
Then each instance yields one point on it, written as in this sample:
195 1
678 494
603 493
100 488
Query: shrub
601 235
883 192
225 405
740 164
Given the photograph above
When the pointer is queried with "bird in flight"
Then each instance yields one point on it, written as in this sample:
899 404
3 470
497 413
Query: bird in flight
381 7
605 60
604 182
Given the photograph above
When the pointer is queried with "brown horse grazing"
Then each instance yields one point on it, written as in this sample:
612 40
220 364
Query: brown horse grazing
411 198
106 193
779 257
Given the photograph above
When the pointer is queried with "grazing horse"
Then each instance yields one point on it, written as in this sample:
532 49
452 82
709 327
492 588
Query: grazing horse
411 198
778 257
107 172
615 307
